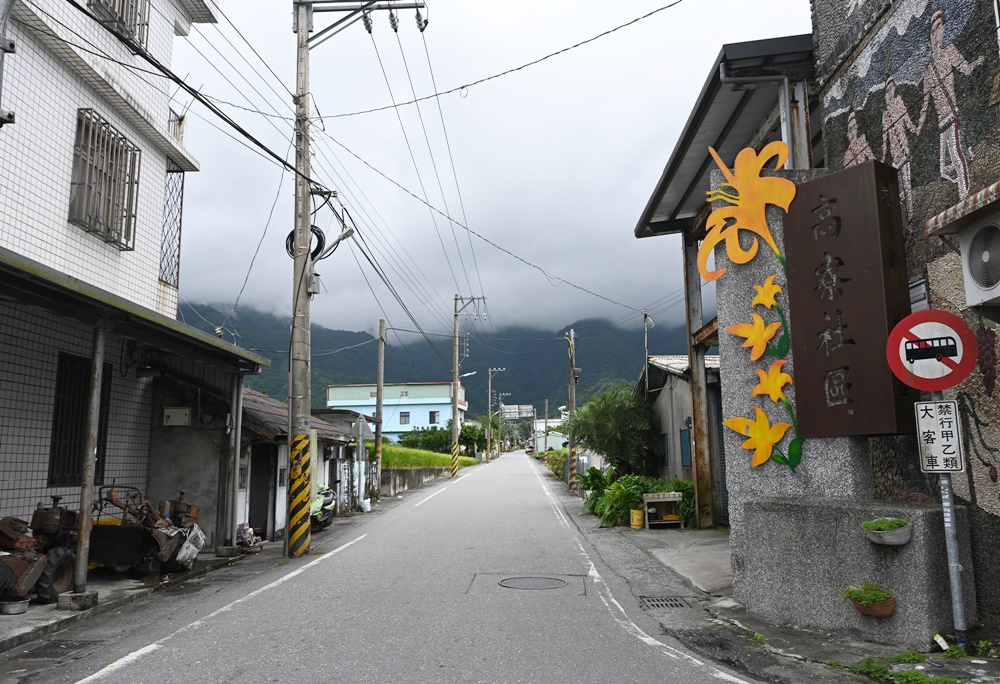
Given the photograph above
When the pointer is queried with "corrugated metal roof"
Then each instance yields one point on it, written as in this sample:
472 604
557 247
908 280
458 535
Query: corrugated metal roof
268 418
678 363
724 117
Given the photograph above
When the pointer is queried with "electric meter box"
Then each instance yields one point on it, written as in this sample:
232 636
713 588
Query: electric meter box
176 415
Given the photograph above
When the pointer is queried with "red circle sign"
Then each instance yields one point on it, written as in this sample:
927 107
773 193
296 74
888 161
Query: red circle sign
931 350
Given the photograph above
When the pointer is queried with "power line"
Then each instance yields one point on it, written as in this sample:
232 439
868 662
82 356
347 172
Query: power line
511 71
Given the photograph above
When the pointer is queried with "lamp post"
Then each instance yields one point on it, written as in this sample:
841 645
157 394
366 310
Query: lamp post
489 412
500 396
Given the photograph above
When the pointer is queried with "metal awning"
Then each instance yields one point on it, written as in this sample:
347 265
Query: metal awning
31 283
726 117
268 418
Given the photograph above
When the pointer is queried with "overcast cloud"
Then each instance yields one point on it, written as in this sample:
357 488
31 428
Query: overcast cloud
554 162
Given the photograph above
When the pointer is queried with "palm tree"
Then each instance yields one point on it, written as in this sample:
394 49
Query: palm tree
617 425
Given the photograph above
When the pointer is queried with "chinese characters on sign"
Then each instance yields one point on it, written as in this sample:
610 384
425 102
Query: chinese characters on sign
847 287
939 436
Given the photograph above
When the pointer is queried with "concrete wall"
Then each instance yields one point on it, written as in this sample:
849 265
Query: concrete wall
787 585
189 458
947 149
671 408
396 480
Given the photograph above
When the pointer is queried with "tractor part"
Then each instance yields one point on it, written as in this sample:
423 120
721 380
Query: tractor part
26 572
14 535
57 575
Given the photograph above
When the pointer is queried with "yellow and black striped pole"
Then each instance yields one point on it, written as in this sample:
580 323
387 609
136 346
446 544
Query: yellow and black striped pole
572 467
299 481
454 459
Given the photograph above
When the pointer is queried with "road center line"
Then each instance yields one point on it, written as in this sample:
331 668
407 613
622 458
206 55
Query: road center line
134 656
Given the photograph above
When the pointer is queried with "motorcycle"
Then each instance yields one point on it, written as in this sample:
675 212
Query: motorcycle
322 508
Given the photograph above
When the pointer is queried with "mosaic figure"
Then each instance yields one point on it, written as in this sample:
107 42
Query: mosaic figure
896 124
939 86
858 150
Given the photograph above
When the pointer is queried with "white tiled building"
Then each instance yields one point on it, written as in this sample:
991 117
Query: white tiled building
91 194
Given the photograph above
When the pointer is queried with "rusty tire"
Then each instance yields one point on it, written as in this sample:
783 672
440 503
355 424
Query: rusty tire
57 577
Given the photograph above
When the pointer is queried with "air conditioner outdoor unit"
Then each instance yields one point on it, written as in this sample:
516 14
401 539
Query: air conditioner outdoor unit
980 246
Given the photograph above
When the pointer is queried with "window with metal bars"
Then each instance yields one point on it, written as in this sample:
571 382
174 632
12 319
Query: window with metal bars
130 17
105 186
69 422
173 209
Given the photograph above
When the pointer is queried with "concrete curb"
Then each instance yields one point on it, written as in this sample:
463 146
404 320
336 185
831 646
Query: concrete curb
72 617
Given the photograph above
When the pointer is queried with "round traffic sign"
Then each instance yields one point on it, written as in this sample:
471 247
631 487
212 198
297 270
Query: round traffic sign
931 350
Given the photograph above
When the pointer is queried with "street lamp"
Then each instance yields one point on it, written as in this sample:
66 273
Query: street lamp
500 396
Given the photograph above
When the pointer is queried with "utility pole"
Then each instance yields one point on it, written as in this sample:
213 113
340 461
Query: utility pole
647 321
489 412
300 381
460 303
546 445
379 387
574 377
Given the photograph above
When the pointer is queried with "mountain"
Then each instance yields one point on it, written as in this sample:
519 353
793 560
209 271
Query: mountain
536 361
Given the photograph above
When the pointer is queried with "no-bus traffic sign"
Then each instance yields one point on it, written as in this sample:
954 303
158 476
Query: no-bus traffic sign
931 350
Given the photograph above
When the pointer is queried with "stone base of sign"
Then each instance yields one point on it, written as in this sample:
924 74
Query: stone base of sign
793 557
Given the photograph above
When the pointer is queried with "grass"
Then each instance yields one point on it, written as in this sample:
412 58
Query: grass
403 457
870 667
909 656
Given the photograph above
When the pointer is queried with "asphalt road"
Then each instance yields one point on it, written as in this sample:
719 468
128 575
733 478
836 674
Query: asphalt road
478 579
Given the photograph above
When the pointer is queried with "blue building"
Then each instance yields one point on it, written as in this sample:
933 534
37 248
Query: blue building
405 408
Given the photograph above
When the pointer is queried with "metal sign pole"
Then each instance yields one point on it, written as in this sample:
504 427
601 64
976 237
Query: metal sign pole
951 545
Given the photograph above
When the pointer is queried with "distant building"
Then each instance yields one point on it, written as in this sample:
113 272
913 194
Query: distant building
405 407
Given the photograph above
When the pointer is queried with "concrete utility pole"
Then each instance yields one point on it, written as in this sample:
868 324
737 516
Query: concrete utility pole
574 377
379 387
489 412
300 392
460 303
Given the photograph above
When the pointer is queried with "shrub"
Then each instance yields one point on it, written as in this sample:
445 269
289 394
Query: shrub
867 594
884 524
596 482
626 493
556 461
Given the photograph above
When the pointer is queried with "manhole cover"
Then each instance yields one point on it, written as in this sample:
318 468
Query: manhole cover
532 583
59 649
663 602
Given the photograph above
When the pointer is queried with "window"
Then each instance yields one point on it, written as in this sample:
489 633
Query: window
404 417
685 448
373 394
170 246
69 422
404 393
435 417
104 190
129 17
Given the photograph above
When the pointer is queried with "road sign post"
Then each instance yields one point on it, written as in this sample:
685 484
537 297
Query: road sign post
934 351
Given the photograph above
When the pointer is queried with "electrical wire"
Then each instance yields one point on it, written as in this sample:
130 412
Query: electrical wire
515 69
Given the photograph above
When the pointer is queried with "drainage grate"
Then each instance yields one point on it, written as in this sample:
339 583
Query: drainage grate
532 583
59 649
663 602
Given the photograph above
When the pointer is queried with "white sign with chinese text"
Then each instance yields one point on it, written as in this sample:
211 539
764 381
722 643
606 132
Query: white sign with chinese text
939 436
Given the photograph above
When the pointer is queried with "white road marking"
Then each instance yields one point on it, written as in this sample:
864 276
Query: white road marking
616 610
156 645
426 499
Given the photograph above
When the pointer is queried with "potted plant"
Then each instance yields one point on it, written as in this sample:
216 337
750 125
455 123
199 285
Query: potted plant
888 531
871 599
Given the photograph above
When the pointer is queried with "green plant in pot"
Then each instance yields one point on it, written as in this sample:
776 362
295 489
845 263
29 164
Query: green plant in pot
871 599
888 531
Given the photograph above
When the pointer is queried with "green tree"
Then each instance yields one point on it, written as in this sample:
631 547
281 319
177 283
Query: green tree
617 424
471 437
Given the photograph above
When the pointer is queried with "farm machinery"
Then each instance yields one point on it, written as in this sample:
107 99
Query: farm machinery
42 563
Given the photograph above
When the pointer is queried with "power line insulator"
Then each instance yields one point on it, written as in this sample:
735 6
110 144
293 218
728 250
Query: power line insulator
421 22
394 21
366 19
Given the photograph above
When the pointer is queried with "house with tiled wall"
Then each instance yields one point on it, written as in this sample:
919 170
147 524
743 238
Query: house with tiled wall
91 204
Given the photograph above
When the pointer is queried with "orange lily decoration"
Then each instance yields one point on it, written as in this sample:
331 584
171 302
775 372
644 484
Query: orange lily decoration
757 334
749 203
766 293
762 435
772 381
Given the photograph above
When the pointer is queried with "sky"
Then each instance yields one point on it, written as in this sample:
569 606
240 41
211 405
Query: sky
536 177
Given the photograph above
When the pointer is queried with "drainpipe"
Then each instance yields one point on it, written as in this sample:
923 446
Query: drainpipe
794 114
6 45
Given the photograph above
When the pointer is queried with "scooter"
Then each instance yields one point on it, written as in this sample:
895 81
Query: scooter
322 508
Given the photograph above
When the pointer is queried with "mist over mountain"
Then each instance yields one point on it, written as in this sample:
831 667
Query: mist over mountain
536 361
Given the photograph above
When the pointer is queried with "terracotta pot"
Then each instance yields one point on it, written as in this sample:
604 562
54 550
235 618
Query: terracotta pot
884 609
896 537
